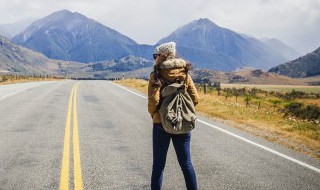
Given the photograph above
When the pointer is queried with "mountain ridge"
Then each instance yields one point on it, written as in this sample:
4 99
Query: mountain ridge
72 36
233 49
304 66
286 50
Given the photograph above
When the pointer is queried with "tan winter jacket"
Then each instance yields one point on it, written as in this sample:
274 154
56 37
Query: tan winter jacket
171 69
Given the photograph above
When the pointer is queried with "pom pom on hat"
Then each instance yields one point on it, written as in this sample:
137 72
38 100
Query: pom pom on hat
166 48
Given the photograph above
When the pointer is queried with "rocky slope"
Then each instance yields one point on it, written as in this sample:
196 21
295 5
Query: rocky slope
17 59
305 66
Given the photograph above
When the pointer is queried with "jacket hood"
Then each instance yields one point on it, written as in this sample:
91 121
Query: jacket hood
173 63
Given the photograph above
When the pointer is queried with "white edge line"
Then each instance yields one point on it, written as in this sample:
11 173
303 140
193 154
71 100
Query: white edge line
129 90
242 138
263 147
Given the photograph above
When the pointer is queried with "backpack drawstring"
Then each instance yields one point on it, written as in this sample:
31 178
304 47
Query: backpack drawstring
177 121
179 113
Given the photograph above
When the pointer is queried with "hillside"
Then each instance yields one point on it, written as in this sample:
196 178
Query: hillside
244 76
305 66
17 59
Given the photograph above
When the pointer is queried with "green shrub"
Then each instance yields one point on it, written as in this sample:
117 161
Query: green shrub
294 94
275 103
293 109
311 112
298 110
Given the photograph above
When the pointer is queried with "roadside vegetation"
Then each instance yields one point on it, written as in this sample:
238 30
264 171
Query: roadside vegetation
11 79
288 117
275 88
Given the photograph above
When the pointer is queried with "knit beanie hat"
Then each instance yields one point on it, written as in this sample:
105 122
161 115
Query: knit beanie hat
166 48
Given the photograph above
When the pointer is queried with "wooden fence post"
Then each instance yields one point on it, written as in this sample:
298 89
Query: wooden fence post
205 88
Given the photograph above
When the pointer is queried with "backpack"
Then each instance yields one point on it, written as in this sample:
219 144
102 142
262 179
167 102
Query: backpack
177 110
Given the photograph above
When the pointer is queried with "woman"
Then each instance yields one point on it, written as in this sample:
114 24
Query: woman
169 68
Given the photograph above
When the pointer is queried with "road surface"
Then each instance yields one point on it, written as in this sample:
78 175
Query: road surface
97 135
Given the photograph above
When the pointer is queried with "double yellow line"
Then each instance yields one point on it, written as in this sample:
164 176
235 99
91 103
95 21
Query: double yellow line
64 180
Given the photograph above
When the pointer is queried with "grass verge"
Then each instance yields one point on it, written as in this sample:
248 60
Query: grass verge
276 88
21 79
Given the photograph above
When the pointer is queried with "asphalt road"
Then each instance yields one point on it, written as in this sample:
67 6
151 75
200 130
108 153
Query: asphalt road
113 131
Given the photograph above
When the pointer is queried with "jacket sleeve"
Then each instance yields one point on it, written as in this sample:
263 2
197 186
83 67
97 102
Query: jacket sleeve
153 95
192 91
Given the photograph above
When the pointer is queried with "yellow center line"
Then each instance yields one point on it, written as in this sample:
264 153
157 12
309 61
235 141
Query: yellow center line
64 179
76 148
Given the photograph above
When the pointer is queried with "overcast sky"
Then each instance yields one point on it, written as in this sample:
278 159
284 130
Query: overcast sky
295 22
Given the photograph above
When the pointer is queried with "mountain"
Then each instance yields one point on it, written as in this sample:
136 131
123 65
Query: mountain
17 59
305 66
288 52
11 30
72 36
210 46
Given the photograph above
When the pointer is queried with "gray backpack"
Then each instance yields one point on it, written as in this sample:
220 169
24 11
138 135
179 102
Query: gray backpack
177 110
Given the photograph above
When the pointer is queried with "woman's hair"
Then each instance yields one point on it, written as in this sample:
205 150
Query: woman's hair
156 67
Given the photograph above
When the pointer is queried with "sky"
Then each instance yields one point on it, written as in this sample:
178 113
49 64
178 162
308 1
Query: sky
294 22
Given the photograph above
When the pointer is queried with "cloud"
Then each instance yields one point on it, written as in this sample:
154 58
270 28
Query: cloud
295 22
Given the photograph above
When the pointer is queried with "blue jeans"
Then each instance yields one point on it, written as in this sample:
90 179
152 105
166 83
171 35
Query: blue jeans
181 143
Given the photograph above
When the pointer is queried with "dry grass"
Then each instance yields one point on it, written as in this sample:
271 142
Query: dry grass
21 79
137 84
265 122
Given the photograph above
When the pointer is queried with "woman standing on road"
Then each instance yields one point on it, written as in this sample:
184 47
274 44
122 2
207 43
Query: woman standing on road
168 67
